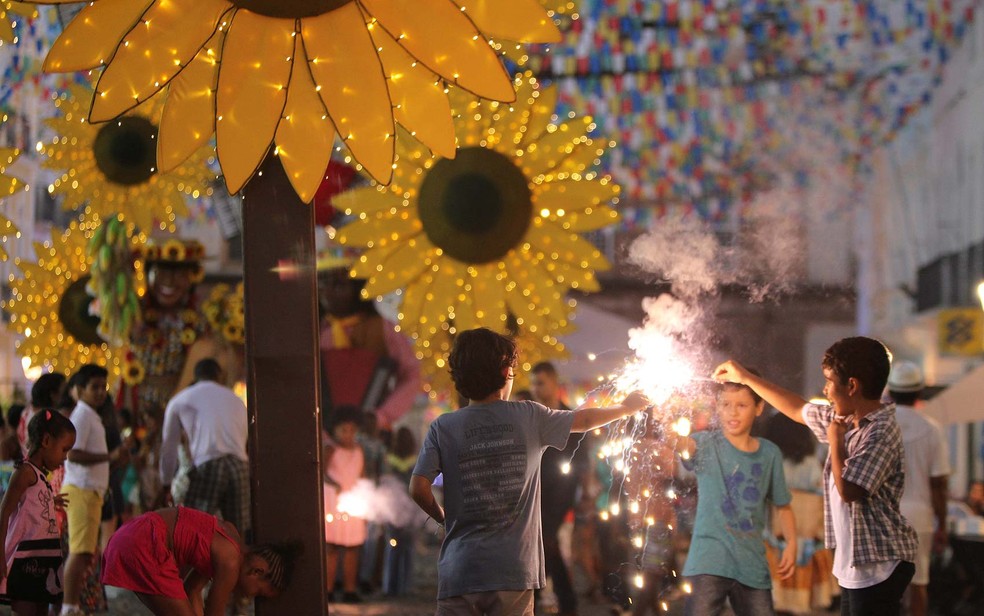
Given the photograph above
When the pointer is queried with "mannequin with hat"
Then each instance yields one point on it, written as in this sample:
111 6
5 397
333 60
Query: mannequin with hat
927 467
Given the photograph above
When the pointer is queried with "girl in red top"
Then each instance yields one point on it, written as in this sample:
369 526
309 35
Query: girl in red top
167 557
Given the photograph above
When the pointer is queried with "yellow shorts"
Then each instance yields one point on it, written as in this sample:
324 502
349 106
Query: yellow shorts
84 515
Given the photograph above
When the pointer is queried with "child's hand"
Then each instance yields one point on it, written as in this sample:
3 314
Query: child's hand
729 372
787 564
61 501
636 400
836 430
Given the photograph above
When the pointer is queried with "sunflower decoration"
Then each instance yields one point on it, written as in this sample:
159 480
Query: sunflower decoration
489 238
9 14
9 185
224 309
112 168
295 74
51 308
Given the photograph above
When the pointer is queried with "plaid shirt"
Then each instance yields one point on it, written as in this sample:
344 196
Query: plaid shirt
874 463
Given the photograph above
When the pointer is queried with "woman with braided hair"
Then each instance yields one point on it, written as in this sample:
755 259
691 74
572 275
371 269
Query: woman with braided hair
167 557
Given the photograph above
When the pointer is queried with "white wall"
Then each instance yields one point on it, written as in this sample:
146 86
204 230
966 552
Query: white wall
926 195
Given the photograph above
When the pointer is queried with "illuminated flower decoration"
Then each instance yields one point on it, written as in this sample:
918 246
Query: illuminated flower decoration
9 14
296 73
225 312
133 372
490 237
51 308
112 168
8 185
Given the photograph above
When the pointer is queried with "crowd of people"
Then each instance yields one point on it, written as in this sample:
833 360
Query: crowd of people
818 505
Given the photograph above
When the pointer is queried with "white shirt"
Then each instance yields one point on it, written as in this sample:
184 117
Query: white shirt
90 437
213 417
860 576
925 456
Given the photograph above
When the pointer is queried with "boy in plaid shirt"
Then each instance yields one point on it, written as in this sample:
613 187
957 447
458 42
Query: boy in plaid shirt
864 476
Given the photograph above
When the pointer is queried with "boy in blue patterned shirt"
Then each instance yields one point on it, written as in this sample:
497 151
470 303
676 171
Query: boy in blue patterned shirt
863 476
738 475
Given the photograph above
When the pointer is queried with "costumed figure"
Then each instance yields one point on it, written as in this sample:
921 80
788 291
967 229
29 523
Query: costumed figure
366 362
169 325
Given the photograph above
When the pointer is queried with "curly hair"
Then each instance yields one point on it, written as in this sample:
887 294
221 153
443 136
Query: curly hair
864 359
479 360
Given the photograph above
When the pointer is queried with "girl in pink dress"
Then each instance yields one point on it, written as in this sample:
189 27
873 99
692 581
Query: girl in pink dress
344 533
30 541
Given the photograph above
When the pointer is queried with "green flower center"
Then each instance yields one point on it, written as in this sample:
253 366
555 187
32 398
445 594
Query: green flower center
290 9
126 150
477 206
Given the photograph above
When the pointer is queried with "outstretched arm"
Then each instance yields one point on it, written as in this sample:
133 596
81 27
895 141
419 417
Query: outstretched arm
591 418
787 402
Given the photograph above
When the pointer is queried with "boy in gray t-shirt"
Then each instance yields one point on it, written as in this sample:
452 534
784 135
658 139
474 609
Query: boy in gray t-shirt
489 453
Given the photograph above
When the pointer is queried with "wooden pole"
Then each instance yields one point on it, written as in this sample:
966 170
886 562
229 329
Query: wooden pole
282 364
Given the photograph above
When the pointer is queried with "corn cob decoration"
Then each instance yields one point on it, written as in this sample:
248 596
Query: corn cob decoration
113 281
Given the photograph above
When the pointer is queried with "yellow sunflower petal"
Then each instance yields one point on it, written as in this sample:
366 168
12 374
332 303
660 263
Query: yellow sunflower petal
552 240
167 38
189 111
541 105
589 219
90 40
523 21
490 296
574 195
345 66
368 200
256 65
553 148
368 264
6 31
305 135
439 35
379 229
403 265
414 302
421 104
583 156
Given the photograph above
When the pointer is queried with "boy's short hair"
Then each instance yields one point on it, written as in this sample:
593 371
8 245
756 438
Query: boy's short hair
545 367
738 386
208 369
88 372
864 359
477 361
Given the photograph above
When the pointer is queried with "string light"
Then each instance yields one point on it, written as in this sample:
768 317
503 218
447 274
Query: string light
344 47
93 177
520 289
61 269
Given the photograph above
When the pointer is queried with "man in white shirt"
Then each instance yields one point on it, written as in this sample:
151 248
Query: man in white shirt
86 480
927 467
214 419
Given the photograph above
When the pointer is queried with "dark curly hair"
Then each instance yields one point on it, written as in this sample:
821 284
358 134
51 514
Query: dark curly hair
864 359
478 360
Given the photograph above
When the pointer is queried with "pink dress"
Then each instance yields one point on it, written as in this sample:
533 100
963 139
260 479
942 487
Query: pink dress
33 547
345 469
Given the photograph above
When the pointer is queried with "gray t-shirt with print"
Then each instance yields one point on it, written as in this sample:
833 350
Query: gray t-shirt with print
490 457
